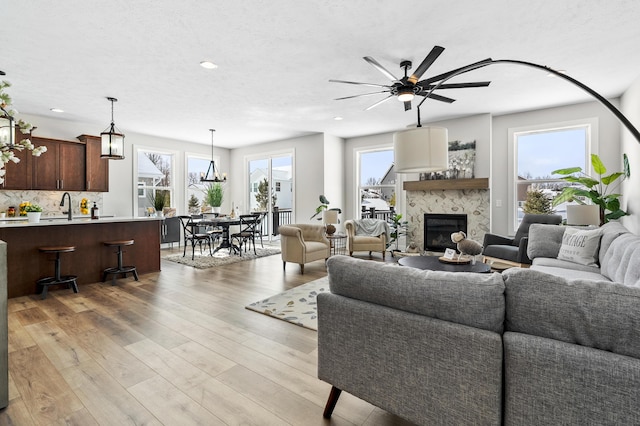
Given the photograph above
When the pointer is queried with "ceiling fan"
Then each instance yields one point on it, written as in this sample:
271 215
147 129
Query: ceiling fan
409 86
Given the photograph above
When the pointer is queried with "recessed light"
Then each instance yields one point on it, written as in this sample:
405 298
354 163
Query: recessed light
208 65
338 118
56 110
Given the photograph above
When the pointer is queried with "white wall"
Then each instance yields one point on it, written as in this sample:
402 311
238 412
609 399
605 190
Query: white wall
334 174
119 200
608 137
308 171
630 107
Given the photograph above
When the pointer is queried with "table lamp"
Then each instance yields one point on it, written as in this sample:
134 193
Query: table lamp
583 214
329 217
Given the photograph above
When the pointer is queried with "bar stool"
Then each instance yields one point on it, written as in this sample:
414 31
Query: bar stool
124 270
69 280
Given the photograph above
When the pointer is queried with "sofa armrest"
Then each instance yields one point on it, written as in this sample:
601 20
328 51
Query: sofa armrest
522 251
499 240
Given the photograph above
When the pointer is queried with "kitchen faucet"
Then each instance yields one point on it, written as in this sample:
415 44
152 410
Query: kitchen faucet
68 212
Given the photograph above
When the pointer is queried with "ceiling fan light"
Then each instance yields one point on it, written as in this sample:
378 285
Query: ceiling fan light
421 150
406 96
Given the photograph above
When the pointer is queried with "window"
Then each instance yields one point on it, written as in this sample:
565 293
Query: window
540 152
277 186
376 180
196 167
155 179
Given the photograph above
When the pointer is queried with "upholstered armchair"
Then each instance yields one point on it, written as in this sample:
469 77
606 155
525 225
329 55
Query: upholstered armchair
359 241
303 243
514 250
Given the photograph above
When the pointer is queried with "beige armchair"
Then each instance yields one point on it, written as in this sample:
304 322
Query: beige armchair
303 243
361 242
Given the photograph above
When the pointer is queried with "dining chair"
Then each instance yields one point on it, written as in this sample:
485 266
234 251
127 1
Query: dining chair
193 235
247 234
259 231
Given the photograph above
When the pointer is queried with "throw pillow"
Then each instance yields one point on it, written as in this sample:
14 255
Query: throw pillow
580 246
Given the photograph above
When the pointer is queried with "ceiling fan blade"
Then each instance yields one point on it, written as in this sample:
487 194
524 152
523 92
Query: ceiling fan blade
364 94
426 63
380 68
450 73
379 102
407 105
456 85
440 98
359 84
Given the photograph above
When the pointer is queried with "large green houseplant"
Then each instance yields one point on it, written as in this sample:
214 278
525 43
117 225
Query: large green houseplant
601 190
213 195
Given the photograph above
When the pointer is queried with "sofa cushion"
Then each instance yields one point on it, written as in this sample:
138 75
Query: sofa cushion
580 246
476 300
600 314
621 262
610 231
544 240
566 269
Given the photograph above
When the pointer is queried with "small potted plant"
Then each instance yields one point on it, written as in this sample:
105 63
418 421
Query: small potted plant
33 212
158 200
213 195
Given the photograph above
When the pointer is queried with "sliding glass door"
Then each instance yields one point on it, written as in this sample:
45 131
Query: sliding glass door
271 190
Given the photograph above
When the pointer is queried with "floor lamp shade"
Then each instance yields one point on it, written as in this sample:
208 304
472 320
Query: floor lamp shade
583 214
421 150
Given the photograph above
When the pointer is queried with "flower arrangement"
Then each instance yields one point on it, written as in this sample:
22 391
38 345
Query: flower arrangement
7 154
84 206
31 208
22 208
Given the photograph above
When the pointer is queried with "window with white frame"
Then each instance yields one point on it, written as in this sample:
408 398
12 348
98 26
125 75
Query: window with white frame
376 180
538 153
154 180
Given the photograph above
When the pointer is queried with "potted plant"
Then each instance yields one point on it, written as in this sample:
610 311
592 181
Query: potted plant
213 196
324 205
598 189
33 212
398 228
158 199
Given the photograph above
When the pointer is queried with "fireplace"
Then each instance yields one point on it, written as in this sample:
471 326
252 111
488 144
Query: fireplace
438 229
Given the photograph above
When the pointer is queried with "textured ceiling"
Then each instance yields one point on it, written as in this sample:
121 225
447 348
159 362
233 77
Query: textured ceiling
275 59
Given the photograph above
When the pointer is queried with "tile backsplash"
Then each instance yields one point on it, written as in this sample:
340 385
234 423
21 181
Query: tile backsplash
48 200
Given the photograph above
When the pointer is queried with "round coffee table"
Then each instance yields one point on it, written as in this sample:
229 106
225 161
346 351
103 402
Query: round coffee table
433 264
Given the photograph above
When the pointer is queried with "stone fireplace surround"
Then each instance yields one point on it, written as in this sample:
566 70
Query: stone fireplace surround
454 196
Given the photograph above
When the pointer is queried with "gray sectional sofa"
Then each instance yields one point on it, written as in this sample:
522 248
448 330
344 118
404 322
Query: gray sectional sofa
526 347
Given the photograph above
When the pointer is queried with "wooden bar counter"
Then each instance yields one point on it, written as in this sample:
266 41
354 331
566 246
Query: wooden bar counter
25 264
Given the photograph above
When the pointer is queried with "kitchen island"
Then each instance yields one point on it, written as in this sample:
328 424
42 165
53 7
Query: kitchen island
25 264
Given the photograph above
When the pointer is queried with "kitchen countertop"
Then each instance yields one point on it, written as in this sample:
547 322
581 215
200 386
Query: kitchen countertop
15 222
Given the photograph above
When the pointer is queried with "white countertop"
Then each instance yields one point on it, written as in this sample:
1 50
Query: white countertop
15 222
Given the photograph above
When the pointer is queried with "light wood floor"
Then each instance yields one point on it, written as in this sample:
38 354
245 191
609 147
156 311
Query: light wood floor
175 348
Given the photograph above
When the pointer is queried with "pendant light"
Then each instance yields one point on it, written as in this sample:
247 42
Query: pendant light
421 150
213 175
112 139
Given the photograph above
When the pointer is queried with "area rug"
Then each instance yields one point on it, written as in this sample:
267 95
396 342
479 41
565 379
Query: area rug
297 305
222 257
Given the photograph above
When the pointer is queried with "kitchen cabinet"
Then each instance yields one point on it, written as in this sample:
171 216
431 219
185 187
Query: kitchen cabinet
62 167
18 175
170 231
97 176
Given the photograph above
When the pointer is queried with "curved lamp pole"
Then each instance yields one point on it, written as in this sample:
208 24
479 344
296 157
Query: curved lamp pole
584 87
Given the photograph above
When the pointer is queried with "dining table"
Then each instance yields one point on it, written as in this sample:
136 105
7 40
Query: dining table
223 222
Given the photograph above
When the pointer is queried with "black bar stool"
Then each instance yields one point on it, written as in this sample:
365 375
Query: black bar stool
69 280
124 270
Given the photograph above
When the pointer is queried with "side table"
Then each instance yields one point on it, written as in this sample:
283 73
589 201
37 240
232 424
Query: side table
338 243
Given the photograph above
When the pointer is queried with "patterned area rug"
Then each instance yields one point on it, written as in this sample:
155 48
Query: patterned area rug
297 306
222 257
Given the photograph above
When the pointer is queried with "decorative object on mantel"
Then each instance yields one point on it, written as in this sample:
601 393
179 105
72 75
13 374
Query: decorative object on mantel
462 157
112 139
597 189
8 141
212 175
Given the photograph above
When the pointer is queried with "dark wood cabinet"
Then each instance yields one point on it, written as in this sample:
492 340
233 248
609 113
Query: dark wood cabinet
62 167
97 177
18 175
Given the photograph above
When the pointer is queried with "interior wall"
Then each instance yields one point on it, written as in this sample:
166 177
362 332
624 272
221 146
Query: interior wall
334 175
119 200
308 170
630 107
608 137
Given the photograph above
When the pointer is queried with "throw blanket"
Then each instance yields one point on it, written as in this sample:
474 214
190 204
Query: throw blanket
372 227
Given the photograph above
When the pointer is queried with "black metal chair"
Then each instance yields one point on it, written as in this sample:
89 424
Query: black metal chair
193 236
259 231
247 234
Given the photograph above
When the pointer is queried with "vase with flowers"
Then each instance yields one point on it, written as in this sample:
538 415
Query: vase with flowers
8 144
33 212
